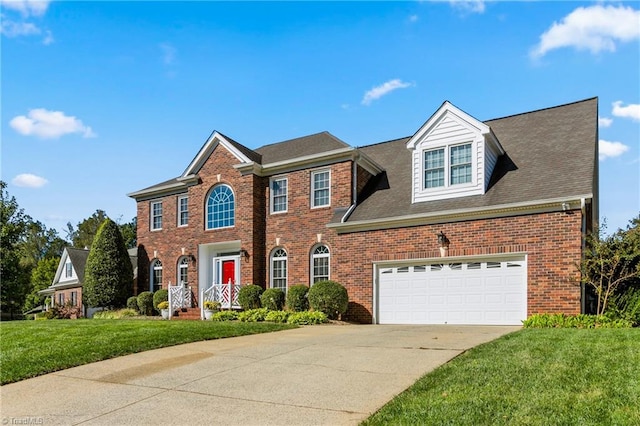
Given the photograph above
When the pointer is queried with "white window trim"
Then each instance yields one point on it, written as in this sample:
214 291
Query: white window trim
313 189
311 263
206 212
152 216
286 270
447 167
271 195
180 198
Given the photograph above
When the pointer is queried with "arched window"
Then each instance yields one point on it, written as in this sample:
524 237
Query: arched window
221 208
183 271
279 269
319 264
156 276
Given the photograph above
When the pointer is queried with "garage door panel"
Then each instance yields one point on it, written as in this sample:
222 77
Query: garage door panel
489 292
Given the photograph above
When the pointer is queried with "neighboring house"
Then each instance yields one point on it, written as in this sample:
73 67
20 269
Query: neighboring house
67 283
465 222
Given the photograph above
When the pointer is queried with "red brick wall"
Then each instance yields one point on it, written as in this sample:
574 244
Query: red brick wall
552 242
298 228
169 241
67 296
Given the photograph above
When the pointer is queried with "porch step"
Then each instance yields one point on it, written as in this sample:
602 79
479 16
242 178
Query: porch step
186 314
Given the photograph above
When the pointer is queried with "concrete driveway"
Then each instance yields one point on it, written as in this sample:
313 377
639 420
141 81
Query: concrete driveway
316 375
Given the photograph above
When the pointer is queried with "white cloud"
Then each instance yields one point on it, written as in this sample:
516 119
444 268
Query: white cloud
593 28
27 180
168 53
608 149
14 29
631 111
384 89
469 6
27 7
49 124
604 121
413 18
15 21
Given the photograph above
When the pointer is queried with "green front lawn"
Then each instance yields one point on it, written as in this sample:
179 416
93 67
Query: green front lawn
32 348
532 377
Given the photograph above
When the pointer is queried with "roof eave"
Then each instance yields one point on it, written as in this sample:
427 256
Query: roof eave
458 215
182 183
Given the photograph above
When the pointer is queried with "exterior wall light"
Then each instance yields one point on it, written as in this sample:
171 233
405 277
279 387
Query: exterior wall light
443 242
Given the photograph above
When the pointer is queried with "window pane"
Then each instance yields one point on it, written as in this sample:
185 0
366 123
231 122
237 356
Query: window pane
156 215
220 208
321 189
434 168
279 195
320 264
460 164
279 269
183 211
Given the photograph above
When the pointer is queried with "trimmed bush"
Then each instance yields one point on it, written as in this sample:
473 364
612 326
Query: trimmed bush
132 303
253 315
224 316
306 318
297 299
249 296
145 303
277 316
272 299
329 297
161 295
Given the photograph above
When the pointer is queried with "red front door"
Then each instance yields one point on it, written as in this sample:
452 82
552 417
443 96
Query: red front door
228 271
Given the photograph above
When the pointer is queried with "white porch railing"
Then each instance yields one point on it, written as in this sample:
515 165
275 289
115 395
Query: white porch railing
179 297
226 294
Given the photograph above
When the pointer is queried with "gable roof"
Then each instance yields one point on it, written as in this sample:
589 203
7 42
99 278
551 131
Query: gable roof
78 259
318 143
550 154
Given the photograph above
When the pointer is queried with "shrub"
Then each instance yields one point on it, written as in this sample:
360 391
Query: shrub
63 312
329 297
297 299
163 305
306 318
145 303
249 296
574 321
224 316
118 314
272 299
253 315
277 316
161 295
626 306
132 303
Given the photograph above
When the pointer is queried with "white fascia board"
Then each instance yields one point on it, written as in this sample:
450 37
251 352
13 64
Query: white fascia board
206 150
63 260
159 190
492 138
512 255
368 164
445 108
450 216
249 168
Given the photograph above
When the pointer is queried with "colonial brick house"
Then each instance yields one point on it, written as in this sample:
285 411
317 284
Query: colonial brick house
465 222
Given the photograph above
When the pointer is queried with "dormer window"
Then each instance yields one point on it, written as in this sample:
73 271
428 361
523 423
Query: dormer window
453 155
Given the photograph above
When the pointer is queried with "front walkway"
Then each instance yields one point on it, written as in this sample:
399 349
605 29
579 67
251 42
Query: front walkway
321 375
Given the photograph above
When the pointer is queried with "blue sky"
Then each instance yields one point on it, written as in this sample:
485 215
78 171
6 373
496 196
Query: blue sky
100 99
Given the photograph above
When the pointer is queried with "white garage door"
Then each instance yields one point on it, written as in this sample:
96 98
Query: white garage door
472 292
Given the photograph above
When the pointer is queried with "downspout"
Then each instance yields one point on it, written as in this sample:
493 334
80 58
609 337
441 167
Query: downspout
354 189
583 292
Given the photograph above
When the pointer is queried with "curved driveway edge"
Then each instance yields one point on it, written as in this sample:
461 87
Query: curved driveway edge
315 375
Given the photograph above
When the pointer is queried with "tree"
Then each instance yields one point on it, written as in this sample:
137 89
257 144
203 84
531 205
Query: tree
39 243
86 231
41 278
611 263
108 276
129 233
14 276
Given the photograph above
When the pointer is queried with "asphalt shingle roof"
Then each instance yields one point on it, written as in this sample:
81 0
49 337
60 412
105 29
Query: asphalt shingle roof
300 147
550 153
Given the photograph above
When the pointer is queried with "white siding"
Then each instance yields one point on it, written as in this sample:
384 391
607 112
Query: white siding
491 157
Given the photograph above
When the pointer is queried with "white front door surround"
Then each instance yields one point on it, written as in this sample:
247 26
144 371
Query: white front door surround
490 290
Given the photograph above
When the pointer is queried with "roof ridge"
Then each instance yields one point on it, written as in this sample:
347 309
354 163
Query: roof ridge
383 142
543 109
301 137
